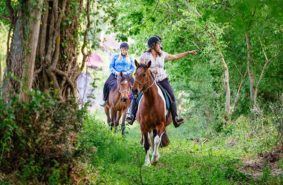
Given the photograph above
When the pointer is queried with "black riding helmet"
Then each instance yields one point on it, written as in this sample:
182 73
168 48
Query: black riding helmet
124 45
158 37
152 41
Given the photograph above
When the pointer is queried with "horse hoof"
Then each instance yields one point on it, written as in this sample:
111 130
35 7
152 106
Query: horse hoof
154 159
147 164
124 134
154 163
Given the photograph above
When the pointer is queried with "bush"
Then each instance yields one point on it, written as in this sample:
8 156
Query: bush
277 118
37 136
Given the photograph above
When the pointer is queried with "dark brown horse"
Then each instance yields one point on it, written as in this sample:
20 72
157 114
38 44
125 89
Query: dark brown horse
152 114
118 102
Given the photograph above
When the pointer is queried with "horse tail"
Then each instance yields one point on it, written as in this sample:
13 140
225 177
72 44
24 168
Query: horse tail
164 140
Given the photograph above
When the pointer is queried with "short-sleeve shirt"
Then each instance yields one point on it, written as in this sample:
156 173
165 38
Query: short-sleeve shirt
157 64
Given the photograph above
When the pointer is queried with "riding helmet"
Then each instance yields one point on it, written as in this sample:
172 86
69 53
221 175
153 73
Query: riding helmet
152 41
158 37
124 45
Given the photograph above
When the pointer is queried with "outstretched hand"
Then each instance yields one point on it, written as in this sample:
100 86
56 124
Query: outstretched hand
193 52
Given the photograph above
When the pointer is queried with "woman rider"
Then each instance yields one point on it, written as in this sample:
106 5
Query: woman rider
158 58
120 63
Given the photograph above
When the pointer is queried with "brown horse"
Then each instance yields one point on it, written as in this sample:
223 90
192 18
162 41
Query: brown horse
118 102
152 114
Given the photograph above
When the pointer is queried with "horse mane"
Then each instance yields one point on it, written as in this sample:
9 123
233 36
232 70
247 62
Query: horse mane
142 65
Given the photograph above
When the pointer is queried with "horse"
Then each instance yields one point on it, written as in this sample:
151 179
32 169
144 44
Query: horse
152 114
118 102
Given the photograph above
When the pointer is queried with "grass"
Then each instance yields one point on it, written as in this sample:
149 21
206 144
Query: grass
189 159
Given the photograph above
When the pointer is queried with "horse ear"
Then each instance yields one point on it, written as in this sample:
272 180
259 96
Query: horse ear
148 64
136 63
121 74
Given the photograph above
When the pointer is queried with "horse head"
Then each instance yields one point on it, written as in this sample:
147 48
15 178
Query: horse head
124 86
143 76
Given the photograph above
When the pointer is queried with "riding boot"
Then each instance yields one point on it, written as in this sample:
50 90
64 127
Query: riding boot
123 127
177 121
133 109
105 95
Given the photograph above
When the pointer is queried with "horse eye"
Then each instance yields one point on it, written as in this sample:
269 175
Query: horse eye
143 75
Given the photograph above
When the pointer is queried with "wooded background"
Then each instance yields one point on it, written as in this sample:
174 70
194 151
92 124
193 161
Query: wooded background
237 73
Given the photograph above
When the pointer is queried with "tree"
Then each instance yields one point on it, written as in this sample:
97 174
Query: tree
41 112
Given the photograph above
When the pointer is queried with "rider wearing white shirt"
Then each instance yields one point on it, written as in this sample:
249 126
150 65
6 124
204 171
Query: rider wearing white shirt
158 59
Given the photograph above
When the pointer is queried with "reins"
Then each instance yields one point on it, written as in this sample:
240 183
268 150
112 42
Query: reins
120 92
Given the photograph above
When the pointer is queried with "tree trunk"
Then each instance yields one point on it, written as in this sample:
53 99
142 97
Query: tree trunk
13 74
227 87
238 93
226 79
32 41
45 59
250 60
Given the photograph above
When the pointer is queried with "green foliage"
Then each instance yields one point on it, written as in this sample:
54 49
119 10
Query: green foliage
109 146
206 150
38 138
8 126
56 172
211 28
30 170
104 149
277 118
102 14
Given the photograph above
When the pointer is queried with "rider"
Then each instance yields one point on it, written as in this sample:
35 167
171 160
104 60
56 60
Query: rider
120 63
158 57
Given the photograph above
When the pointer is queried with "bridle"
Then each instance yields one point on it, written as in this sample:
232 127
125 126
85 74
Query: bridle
140 83
123 91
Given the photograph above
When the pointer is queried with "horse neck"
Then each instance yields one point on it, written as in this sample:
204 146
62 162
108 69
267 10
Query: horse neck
151 93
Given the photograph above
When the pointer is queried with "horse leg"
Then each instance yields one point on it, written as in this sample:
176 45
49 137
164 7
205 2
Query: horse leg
123 125
157 139
151 135
118 114
106 109
113 118
146 146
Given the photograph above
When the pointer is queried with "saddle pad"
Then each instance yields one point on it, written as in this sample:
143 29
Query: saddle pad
165 95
